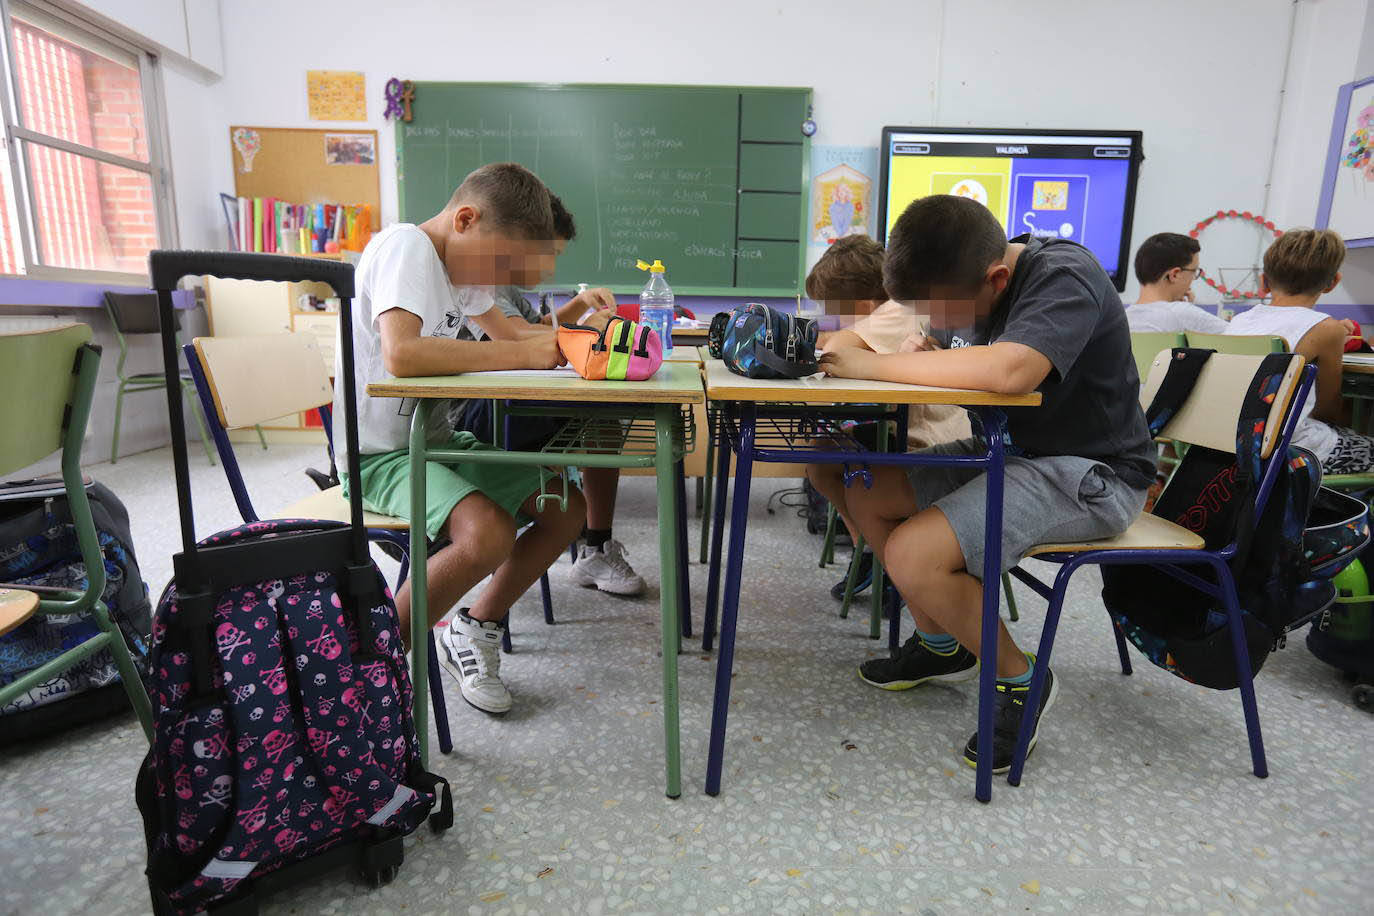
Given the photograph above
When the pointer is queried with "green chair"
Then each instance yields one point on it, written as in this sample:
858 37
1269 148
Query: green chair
1238 344
136 313
49 377
1146 345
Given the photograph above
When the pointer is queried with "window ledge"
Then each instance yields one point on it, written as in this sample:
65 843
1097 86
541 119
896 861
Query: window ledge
31 292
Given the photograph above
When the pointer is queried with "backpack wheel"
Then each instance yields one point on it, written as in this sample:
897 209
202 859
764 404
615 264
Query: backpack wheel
1363 696
380 876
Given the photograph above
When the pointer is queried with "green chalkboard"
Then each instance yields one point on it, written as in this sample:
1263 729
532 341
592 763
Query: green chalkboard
709 179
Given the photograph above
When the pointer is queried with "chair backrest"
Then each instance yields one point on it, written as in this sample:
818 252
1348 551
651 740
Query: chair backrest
1238 344
38 378
1145 346
135 313
256 379
1212 412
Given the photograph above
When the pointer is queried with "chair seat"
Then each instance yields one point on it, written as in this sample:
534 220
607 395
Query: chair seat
16 606
1147 532
332 506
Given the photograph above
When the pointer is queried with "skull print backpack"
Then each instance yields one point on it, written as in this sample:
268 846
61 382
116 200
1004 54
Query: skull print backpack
283 740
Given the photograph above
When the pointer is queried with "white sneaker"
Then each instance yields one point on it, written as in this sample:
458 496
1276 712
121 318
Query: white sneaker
606 568
472 653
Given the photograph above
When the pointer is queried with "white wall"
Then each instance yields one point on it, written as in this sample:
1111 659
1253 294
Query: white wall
1201 79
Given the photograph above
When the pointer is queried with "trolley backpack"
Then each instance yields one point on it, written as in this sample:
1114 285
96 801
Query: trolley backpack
757 341
1285 558
283 739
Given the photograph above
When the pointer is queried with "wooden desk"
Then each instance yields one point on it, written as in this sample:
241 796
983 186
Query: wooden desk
743 402
662 398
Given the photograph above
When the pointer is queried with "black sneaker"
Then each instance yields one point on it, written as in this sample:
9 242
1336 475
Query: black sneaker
861 581
915 665
1006 722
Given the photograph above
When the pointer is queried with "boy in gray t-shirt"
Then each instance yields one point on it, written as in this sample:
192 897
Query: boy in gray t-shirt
1028 315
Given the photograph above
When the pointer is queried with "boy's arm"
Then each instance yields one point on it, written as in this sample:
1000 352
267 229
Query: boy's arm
498 325
406 354
597 300
1001 367
836 340
1324 345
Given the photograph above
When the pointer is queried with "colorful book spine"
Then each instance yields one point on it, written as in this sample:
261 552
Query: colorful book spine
257 224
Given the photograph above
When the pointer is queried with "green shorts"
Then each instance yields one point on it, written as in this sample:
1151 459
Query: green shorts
386 484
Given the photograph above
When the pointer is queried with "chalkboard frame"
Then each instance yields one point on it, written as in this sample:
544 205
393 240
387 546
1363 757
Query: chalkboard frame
792 292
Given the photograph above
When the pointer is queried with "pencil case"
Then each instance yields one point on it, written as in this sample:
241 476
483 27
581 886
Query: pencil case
623 351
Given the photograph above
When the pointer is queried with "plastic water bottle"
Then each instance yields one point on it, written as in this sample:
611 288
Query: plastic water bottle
656 303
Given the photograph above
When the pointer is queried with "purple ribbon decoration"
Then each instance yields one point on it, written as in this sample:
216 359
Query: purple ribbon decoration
393 99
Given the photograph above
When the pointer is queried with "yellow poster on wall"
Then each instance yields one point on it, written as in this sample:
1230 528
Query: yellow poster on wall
987 181
336 95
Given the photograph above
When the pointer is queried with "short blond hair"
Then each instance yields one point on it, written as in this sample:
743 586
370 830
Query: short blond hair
850 270
1304 262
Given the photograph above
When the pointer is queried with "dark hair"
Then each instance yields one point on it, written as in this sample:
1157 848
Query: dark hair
1302 262
851 269
941 240
564 226
510 197
1161 253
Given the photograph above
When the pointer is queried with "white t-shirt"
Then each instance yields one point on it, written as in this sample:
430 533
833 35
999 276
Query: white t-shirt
1173 318
399 268
1292 322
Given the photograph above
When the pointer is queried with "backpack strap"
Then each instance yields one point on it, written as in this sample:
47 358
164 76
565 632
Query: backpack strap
1185 365
785 368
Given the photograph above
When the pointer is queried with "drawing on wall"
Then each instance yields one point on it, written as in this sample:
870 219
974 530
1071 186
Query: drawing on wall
336 95
1347 201
247 141
350 149
841 193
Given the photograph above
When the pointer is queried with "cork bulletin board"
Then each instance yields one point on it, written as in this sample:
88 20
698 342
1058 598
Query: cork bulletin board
304 166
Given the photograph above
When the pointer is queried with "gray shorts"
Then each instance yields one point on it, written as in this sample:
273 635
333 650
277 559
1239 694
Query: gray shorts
1059 499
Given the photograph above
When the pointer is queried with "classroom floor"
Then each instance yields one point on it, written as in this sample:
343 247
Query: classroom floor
837 797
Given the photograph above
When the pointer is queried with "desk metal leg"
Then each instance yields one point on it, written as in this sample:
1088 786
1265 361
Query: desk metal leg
419 582
725 657
708 623
875 598
684 584
993 425
668 544
706 489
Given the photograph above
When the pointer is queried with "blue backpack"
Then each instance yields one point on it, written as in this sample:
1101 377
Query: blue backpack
760 342
1283 569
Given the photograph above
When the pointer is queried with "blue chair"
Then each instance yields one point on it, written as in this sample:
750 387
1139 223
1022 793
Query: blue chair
1209 418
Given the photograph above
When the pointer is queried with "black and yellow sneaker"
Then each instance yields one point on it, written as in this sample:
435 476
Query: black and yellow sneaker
916 664
1006 722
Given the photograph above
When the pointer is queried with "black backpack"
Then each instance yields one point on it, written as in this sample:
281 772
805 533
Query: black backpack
38 547
1284 561
757 341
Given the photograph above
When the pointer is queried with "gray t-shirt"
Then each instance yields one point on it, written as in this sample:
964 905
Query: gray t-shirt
1061 303
510 300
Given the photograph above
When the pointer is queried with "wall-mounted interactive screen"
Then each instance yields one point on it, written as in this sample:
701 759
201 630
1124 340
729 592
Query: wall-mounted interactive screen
1077 185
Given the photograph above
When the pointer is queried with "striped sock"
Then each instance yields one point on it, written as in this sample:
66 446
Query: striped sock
939 644
1022 680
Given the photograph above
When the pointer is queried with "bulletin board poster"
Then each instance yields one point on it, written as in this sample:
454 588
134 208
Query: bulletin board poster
844 180
336 95
1347 201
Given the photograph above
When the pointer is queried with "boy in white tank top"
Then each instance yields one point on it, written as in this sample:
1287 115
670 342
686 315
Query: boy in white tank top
1299 267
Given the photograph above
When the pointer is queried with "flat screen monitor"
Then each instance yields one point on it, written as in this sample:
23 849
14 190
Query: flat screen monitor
1069 184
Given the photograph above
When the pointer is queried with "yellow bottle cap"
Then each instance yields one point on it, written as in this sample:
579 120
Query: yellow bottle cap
656 267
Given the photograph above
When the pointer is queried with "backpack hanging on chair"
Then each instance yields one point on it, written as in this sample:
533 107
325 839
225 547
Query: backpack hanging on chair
1284 561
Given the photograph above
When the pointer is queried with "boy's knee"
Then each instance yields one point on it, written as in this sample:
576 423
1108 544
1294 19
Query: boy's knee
824 477
483 530
923 549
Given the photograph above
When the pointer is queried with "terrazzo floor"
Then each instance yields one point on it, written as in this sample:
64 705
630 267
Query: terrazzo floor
837 797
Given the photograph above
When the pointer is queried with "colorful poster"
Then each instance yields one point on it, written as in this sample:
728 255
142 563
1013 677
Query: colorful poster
1352 189
844 184
336 95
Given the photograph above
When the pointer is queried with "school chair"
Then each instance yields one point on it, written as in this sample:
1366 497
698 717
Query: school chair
49 378
1145 346
136 313
1208 418
1237 344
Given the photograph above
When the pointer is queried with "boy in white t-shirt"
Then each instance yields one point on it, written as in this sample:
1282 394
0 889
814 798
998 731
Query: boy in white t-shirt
1166 264
1299 266
848 281
415 287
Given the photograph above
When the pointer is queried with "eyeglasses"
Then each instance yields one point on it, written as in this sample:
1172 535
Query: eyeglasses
1195 271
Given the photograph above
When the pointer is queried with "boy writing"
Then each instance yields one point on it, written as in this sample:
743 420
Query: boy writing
1299 266
1166 264
1016 317
415 285
601 561
848 281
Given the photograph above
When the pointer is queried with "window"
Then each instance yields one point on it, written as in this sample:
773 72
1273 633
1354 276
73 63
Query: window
83 191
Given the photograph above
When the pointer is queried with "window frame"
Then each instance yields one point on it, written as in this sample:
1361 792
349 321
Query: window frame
157 168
